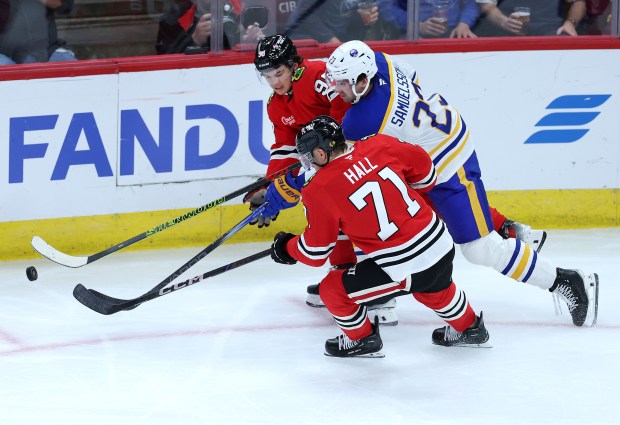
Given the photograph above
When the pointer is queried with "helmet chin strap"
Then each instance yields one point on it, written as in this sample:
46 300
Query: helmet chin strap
357 95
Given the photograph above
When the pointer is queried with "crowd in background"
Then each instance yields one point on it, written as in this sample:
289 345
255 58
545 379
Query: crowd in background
29 28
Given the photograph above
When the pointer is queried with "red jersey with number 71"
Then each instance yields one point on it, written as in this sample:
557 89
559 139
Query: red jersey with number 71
371 194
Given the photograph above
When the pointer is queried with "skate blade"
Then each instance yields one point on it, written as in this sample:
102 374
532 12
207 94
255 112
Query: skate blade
387 316
483 345
376 355
314 301
592 289
542 241
535 239
385 323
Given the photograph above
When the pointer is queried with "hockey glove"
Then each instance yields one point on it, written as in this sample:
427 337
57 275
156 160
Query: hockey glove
283 193
278 248
256 198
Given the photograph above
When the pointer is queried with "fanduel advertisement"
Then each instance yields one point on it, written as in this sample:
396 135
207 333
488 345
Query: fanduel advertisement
155 140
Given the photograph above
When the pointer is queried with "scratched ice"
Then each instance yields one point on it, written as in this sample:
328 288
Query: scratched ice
243 348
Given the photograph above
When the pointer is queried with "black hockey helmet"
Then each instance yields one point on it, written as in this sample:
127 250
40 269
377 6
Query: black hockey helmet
273 51
323 132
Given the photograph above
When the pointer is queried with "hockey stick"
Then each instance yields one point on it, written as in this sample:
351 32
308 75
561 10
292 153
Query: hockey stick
108 305
67 260
81 293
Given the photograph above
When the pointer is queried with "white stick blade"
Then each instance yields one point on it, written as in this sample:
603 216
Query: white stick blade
56 256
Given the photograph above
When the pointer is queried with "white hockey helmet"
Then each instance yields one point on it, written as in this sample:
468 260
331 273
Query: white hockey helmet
349 61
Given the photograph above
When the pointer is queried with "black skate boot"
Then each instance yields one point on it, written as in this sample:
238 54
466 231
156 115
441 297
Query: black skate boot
474 336
313 299
523 232
369 346
580 292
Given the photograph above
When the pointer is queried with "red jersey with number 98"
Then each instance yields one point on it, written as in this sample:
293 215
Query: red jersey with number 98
371 194
311 96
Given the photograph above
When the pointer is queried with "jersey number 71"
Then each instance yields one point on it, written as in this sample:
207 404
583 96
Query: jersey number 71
358 198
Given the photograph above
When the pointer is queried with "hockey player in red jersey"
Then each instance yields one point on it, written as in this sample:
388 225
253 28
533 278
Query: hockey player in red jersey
300 93
369 191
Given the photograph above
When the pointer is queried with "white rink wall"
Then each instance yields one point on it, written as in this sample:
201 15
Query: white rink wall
92 160
156 140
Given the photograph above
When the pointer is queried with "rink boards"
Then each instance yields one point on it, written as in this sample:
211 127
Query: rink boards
92 160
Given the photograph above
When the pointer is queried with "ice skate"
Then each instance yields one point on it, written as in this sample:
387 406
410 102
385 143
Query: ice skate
475 336
523 232
385 312
369 346
580 292
313 299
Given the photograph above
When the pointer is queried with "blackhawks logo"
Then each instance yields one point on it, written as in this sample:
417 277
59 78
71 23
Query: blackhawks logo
298 73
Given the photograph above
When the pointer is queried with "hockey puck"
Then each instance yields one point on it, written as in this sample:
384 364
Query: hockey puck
32 273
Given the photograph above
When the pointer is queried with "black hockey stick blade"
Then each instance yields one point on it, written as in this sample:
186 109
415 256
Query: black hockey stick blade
233 230
103 304
67 260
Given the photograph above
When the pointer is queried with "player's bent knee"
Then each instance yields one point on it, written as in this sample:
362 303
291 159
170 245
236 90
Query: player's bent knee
331 289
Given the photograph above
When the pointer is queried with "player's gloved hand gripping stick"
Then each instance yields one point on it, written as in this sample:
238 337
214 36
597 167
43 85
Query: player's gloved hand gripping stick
284 192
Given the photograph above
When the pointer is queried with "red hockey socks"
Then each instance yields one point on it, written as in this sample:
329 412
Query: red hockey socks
351 317
451 305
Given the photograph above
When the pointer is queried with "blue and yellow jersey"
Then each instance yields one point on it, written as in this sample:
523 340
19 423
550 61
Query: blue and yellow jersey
396 106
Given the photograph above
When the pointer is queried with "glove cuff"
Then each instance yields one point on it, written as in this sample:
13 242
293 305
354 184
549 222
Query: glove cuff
287 191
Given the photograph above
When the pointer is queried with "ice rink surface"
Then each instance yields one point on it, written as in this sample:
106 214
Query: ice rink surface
243 348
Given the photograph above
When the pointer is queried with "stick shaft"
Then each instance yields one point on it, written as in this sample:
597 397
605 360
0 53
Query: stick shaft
61 258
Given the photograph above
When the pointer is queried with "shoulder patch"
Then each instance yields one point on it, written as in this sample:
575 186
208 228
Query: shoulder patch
368 137
298 73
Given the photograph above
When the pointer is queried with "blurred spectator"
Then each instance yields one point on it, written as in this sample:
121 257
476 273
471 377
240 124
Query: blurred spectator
332 21
30 34
5 12
598 17
461 15
546 17
186 27
285 9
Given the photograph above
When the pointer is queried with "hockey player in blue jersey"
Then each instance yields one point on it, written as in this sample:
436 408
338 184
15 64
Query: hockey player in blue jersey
386 98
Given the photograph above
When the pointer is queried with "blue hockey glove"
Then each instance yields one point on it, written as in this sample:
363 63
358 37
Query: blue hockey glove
283 193
279 254
256 198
